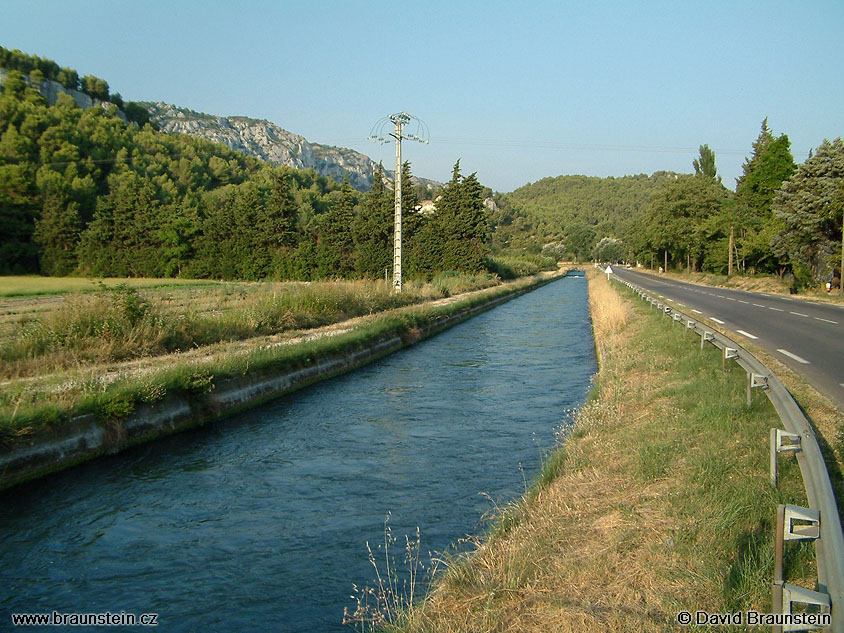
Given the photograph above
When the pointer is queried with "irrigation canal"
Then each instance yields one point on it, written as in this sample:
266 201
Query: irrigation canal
260 522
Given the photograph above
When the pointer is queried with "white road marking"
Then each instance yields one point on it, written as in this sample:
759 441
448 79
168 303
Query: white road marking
777 309
826 320
682 305
746 302
800 314
720 296
729 298
758 305
794 356
719 321
747 334
697 311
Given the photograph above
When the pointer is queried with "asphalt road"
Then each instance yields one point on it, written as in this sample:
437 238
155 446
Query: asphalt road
806 336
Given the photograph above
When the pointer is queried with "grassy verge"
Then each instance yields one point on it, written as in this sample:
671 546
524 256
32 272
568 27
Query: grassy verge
30 407
656 501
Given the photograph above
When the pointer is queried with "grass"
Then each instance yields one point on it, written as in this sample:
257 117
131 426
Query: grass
122 322
34 405
37 286
657 501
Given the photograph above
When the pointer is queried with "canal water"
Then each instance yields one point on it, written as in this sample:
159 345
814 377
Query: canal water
260 522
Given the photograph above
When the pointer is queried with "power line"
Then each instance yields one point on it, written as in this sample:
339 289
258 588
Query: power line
534 144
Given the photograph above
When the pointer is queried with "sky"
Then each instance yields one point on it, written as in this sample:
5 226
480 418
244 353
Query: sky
518 91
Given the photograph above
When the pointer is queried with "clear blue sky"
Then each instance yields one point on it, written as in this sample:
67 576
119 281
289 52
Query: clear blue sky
517 90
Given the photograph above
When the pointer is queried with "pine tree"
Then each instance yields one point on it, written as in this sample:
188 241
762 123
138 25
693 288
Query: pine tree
373 230
762 175
810 205
334 256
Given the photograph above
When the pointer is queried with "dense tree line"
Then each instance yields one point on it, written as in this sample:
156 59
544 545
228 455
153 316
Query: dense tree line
781 218
82 192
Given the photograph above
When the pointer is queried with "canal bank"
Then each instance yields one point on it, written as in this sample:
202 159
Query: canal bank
193 396
655 502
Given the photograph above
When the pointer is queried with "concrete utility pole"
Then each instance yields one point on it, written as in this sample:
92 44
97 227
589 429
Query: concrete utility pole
398 120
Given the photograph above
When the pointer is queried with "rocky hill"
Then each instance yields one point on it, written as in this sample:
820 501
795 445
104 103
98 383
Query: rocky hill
52 89
269 142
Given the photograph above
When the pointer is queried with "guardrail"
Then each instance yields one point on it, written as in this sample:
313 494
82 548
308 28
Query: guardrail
820 522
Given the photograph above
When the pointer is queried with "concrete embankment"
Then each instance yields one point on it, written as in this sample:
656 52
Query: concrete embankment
85 437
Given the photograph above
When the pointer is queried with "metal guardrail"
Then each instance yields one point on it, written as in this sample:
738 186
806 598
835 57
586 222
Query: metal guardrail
821 521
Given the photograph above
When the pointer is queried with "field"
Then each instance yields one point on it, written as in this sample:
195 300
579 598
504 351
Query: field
37 286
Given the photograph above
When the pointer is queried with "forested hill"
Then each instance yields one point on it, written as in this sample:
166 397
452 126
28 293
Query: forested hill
84 191
584 208
267 141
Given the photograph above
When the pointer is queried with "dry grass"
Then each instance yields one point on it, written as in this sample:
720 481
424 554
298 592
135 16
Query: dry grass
657 501
609 312
42 335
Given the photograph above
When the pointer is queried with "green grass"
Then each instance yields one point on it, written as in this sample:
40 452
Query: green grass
37 286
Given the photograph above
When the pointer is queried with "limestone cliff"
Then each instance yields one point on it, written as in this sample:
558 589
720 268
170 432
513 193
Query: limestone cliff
269 142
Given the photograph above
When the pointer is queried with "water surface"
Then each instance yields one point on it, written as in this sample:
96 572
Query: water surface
259 522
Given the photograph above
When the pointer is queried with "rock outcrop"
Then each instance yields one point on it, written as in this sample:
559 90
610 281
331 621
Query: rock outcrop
269 142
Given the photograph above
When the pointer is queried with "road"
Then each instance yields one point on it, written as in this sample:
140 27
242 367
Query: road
806 336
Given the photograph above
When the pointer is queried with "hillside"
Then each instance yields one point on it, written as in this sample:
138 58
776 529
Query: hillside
267 141
88 192
583 209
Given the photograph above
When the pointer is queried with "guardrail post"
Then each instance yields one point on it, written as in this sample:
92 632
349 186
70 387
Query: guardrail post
755 380
729 353
783 595
793 594
782 442
706 336
779 550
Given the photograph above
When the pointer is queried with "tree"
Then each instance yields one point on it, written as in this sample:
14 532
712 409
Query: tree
579 240
705 164
678 218
123 238
763 174
809 204
95 87
373 230
609 249
462 223
335 245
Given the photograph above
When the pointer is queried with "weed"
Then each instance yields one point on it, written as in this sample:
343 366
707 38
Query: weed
391 599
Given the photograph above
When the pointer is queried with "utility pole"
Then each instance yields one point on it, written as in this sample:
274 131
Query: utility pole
398 120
